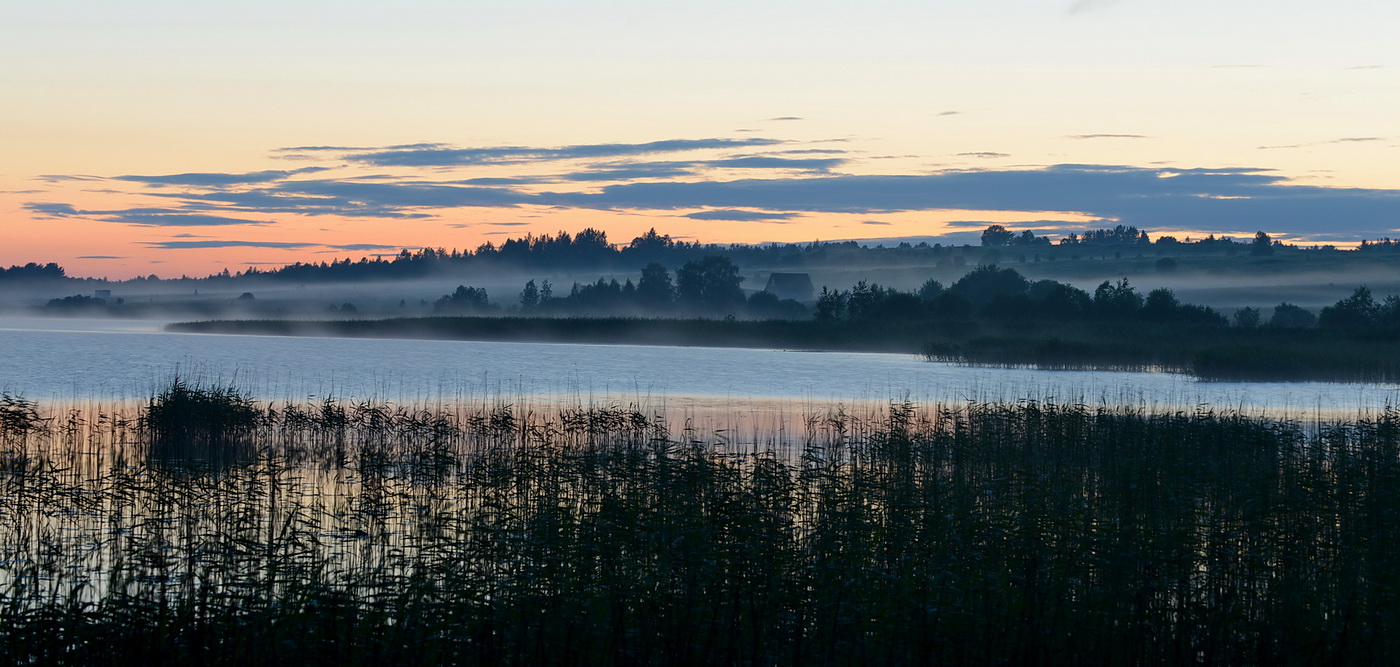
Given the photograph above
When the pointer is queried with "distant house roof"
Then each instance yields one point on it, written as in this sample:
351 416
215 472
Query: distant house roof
790 286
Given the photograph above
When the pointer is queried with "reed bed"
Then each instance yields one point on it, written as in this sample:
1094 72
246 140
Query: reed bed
975 533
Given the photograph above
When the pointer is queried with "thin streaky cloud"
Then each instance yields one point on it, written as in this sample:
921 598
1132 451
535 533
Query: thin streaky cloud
495 181
787 118
47 210
440 156
217 179
62 178
343 149
1108 136
627 171
741 216
766 162
146 217
362 246
632 171
1342 140
284 245
985 154
188 245
182 220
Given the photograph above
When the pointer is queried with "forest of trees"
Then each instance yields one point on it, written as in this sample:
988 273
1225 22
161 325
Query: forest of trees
709 286
1003 294
592 250
33 271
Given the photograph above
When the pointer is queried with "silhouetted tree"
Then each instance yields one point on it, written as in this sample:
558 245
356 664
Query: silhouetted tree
1116 300
930 290
997 235
1247 318
831 305
1027 238
33 271
1262 244
1291 316
462 299
863 300
1056 300
1161 305
77 302
605 295
710 284
1388 312
649 247
530 296
1357 310
1119 235
983 283
654 290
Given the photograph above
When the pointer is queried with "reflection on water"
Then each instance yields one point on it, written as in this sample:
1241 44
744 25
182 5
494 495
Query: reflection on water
439 524
112 359
95 494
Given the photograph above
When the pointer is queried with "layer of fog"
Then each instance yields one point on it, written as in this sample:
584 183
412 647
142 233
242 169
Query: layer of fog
260 297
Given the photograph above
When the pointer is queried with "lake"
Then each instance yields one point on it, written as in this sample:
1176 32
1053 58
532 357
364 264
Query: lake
473 502
51 358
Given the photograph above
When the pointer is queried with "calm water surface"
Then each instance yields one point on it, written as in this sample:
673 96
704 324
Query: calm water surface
116 359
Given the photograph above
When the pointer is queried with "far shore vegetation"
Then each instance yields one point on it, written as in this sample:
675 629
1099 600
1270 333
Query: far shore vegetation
991 315
989 304
1091 255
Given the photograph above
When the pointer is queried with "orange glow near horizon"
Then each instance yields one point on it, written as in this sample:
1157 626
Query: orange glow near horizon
184 222
94 248
90 247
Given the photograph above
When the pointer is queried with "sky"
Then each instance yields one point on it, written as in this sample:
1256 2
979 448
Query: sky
169 138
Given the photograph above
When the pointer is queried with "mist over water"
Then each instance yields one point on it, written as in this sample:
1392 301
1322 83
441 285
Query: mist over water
119 359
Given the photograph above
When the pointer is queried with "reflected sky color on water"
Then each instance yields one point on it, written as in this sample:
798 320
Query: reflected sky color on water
116 359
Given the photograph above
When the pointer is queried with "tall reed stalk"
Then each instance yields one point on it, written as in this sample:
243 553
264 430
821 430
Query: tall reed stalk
977 533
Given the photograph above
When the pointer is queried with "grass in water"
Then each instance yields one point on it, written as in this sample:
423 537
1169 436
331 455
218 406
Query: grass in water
374 533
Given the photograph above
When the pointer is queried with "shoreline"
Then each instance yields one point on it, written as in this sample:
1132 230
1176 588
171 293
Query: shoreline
1233 354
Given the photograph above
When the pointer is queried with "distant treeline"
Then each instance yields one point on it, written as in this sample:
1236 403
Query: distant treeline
33 271
591 249
706 286
711 287
991 315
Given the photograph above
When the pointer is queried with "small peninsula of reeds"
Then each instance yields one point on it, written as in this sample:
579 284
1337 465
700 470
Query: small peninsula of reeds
364 533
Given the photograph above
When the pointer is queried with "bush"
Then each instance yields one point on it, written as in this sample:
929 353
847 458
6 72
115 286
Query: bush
197 422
